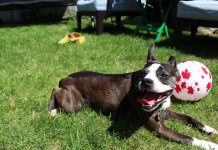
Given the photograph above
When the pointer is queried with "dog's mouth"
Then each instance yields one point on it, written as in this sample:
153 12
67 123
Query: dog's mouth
152 100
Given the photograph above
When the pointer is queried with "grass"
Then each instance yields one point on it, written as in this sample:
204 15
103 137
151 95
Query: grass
32 63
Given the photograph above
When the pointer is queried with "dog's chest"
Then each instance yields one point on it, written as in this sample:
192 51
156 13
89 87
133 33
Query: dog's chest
166 104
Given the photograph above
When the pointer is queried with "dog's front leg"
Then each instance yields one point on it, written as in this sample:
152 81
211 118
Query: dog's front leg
157 124
191 121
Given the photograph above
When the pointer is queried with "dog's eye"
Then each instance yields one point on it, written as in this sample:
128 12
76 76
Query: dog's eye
164 75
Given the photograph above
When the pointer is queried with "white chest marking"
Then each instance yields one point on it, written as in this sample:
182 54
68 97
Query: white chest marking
166 104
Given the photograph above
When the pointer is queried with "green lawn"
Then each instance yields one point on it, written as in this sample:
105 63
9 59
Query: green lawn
32 63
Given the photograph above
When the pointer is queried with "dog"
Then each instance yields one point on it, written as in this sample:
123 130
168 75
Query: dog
146 91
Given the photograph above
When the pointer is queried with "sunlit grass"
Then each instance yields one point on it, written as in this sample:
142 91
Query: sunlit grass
32 63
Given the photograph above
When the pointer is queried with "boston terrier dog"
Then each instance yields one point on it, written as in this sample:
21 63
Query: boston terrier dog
147 92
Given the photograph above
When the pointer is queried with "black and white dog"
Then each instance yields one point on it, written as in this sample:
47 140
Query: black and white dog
146 91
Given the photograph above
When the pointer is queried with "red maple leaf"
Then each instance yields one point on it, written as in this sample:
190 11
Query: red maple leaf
204 70
178 89
186 74
183 85
198 89
190 90
196 83
202 76
178 79
208 87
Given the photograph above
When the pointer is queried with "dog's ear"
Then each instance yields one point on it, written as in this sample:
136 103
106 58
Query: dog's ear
172 61
151 54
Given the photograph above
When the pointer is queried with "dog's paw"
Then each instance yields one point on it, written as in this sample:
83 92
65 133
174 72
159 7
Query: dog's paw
205 144
209 130
53 112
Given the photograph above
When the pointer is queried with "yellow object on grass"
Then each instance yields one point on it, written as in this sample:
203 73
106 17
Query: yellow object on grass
81 40
64 40
71 37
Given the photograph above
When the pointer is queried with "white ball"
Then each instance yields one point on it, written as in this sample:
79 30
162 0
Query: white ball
194 83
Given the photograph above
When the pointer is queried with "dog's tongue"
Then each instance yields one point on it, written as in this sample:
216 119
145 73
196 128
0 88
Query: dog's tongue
148 100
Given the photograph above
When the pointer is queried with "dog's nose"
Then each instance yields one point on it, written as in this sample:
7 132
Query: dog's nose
147 82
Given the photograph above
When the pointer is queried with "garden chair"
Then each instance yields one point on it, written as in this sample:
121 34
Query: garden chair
98 8
193 13
104 8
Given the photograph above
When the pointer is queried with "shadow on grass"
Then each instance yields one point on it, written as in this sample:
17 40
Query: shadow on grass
177 101
124 123
114 29
40 21
200 45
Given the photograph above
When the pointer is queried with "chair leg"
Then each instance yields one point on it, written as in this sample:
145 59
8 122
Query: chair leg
160 31
193 30
99 22
78 17
176 33
166 31
93 21
118 20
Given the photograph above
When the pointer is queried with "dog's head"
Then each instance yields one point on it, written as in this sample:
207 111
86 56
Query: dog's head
156 81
